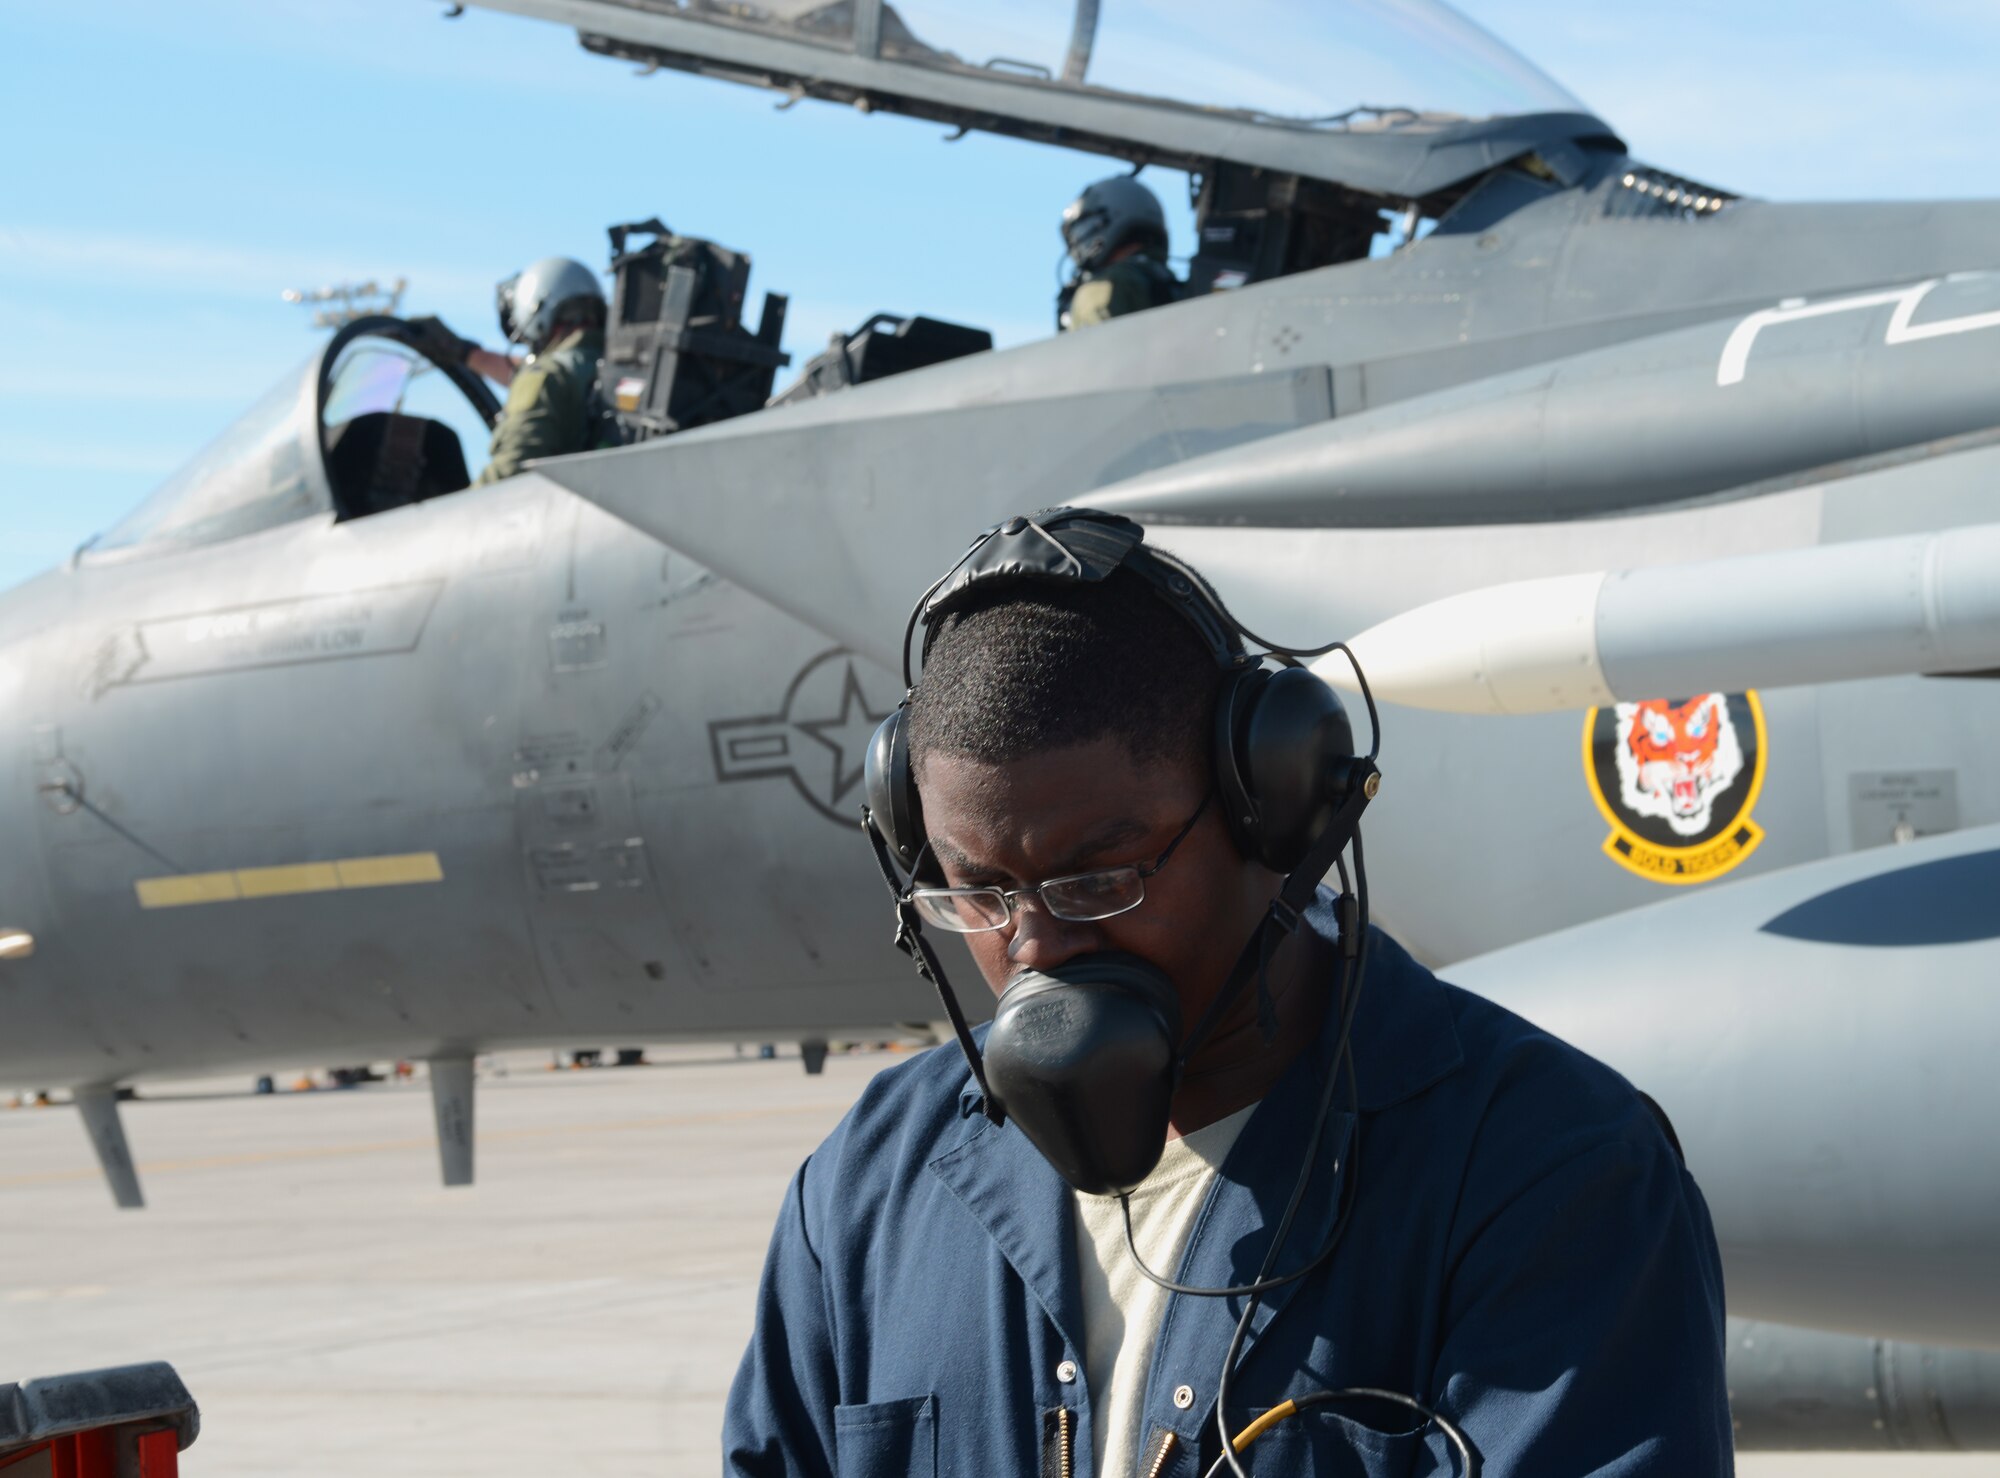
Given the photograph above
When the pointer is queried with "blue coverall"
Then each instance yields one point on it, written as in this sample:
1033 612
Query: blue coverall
1526 1253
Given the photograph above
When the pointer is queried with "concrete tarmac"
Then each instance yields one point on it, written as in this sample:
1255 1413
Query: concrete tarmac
333 1309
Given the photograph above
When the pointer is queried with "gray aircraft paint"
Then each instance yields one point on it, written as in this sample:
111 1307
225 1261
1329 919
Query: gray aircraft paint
524 740
504 768
1725 1004
1802 1390
796 474
1736 406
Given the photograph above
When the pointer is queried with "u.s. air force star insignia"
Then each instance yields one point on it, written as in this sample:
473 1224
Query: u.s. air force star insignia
818 739
1677 778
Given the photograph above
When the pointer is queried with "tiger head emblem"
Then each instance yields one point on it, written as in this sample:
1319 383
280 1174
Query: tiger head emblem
1674 759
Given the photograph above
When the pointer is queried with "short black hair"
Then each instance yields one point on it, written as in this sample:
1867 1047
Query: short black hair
1033 667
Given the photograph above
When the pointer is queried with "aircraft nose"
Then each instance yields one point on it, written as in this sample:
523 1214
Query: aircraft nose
19 844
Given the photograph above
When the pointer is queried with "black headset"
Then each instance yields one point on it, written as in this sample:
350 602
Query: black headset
1284 749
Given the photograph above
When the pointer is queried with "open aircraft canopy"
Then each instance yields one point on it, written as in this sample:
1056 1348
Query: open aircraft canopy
1396 98
366 423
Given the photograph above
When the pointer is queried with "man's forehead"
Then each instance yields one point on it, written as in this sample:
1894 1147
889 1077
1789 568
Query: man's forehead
1058 846
1099 776
1057 805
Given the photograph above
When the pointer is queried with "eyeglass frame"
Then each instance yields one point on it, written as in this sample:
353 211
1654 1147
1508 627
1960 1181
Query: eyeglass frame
1009 895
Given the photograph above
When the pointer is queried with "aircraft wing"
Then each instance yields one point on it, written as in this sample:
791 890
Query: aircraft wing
834 510
1776 398
841 510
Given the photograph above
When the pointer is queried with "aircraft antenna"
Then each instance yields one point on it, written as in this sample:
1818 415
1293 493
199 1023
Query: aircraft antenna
346 301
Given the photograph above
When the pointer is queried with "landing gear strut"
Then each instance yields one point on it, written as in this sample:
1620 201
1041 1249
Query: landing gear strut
97 1106
451 1100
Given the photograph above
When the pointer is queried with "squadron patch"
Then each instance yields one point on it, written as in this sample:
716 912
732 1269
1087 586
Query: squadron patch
1677 779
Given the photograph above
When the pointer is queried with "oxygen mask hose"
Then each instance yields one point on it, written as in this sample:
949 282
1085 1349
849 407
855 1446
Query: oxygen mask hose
1343 1061
1354 924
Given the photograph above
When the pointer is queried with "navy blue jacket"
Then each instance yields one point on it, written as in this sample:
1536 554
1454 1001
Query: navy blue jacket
1526 1254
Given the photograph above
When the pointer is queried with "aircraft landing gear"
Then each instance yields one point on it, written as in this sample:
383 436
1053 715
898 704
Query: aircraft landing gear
451 1101
97 1106
813 1054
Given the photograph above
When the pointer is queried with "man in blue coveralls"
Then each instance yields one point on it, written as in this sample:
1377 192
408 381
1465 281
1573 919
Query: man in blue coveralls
1520 1252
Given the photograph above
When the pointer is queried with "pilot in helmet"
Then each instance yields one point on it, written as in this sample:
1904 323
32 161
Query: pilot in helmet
1117 239
555 310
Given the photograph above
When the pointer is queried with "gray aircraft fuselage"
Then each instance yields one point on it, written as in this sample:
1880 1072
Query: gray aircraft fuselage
505 679
517 682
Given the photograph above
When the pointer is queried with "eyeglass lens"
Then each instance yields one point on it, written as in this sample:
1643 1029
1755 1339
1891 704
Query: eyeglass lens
1081 899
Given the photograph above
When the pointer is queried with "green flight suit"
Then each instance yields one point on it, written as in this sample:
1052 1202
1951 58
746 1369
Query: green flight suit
1127 286
549 407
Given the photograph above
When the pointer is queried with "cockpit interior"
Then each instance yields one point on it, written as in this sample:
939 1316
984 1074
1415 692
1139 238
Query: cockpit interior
391 422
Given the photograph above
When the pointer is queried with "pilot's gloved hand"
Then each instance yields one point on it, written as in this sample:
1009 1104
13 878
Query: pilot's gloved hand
430 338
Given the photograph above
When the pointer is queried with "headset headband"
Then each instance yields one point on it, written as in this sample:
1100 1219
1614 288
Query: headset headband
1064 546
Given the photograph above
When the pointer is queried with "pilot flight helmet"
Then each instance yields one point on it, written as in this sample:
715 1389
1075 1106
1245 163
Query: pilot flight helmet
1107 215
535 299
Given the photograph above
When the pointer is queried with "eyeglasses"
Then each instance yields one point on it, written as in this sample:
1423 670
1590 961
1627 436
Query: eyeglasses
1080 898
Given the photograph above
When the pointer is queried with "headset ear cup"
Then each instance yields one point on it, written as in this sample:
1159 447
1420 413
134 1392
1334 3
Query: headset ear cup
892 788
1297 752
1233 707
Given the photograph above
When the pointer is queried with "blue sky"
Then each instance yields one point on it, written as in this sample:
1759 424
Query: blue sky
172 168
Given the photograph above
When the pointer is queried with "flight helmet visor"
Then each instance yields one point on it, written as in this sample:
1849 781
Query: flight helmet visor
543 295
1109 214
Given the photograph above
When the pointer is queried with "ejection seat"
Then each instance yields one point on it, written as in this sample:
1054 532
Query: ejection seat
383 459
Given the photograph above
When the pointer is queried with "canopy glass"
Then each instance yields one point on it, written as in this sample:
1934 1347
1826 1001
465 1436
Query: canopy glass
262 471
1328 64
270 467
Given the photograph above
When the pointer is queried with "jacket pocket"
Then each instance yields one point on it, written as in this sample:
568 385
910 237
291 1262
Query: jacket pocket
1334 1446
886 1439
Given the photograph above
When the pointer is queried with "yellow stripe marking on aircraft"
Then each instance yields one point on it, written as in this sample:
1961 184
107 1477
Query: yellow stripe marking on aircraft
389 872
194 887
295 878
300 877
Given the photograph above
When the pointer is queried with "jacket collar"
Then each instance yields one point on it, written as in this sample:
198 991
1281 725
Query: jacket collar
1025 1207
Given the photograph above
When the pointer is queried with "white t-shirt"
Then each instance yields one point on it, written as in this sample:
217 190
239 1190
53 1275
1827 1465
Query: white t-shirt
1122 1307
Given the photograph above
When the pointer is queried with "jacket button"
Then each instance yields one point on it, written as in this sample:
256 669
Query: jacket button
1183 1397
1066 1372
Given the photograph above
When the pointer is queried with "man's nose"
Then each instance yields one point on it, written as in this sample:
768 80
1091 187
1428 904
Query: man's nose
1041 941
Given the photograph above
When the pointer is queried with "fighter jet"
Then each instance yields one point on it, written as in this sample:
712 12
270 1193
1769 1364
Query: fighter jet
1661 515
